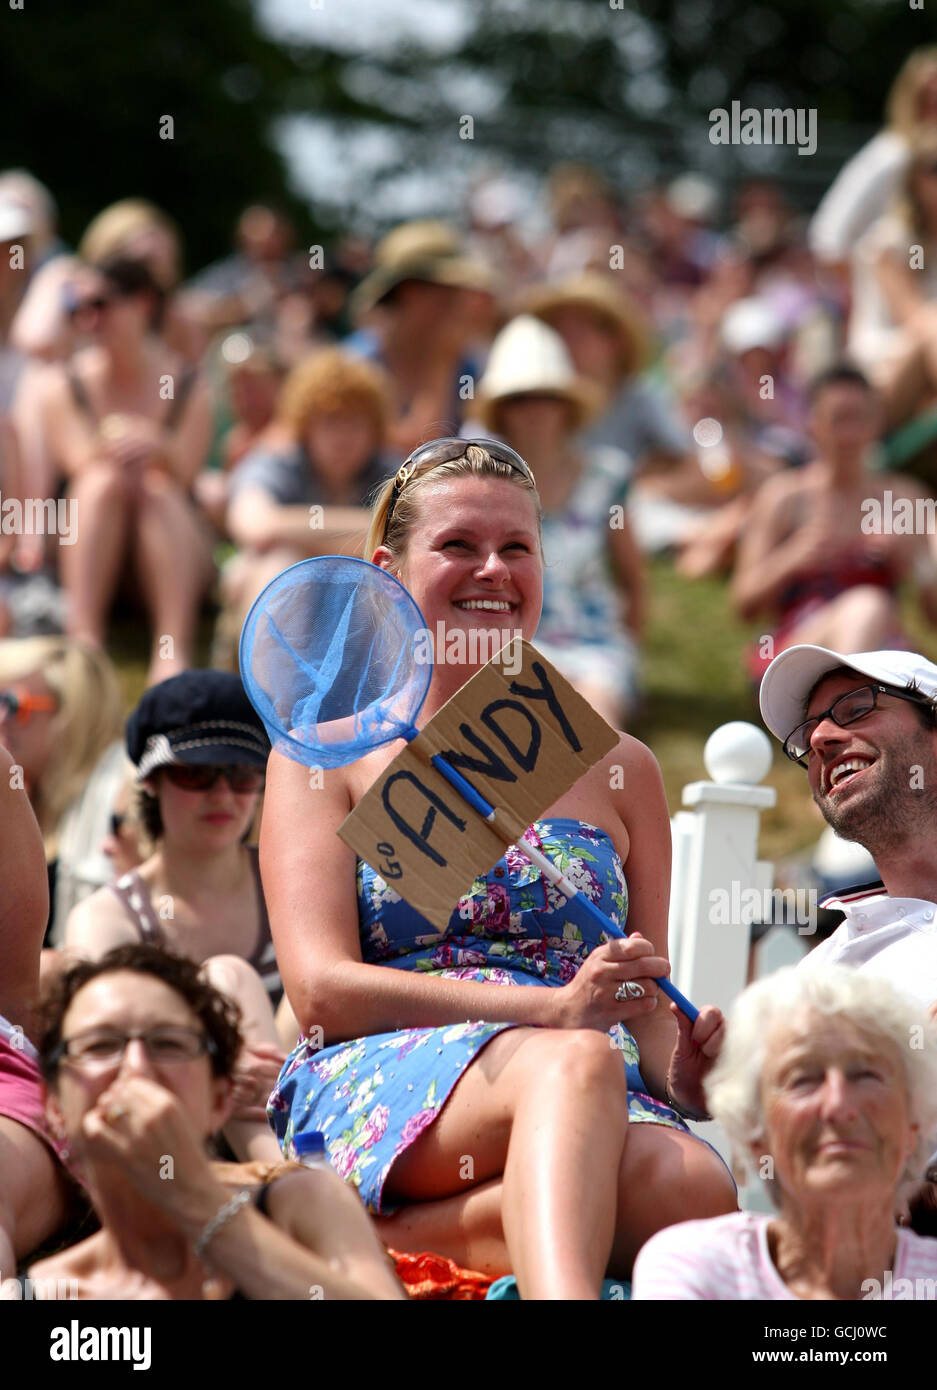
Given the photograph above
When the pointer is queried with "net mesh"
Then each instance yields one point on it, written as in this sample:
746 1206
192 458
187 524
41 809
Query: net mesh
330 660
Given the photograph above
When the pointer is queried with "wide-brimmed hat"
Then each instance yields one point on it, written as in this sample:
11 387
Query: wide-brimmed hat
602 297
528 357
428 251
792 675
200 717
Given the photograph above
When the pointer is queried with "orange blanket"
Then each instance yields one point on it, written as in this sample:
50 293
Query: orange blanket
433 1276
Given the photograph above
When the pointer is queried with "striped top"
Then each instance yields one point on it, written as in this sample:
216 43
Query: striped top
134 896
727 1258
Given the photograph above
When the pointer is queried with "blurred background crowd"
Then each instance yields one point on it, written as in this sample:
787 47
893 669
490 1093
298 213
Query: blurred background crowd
709 387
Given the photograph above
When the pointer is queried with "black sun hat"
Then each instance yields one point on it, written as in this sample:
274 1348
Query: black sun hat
199 717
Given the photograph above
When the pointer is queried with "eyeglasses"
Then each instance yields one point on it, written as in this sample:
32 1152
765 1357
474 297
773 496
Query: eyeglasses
445 451
848 709
194 777
21 704
165 1046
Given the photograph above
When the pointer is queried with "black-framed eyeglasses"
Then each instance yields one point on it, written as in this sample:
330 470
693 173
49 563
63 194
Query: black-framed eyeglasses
445 451
848 709
165 1046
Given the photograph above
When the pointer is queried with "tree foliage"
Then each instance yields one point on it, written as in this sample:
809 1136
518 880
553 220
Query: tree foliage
628 89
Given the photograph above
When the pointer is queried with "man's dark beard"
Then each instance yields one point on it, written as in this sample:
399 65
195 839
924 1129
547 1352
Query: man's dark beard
887 820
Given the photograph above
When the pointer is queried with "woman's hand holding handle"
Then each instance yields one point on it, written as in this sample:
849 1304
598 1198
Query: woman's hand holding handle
589 1000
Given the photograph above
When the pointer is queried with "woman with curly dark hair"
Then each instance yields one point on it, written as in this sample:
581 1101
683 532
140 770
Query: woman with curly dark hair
137 1051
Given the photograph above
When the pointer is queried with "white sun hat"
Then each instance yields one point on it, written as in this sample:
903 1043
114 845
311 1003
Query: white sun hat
793 674
529 357
751 323
15 220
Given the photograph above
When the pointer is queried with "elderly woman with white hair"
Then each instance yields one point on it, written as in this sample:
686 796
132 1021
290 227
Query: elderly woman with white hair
827 1088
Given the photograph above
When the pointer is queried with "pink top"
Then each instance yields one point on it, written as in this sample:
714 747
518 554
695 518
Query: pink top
21 1092
727 1258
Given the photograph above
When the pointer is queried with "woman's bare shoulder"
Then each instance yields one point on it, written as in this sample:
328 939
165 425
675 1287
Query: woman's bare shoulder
98 922
631 759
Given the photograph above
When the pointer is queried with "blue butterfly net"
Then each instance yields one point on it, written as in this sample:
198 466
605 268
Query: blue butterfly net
332 660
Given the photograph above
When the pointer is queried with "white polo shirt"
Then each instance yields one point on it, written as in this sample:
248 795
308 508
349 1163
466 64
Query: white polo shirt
893 938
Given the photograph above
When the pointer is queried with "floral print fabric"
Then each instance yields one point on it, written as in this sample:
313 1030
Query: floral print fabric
373 1096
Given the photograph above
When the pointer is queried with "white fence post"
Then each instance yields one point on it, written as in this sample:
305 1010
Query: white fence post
717 866
715 870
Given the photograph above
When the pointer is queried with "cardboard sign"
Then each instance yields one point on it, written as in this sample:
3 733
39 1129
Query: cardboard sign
521 740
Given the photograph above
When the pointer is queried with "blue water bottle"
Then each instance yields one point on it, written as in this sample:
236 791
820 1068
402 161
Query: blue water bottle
309 1149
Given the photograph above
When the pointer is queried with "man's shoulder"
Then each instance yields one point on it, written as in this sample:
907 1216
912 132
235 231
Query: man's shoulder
895 938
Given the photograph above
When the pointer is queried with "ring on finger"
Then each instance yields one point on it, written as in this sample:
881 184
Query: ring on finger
630 989
115 1112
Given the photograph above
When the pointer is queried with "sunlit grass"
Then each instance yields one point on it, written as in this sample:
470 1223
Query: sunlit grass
695 680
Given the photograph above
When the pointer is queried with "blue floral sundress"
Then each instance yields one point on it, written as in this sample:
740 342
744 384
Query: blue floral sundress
373 1096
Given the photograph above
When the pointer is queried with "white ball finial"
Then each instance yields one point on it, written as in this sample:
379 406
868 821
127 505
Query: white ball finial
738 752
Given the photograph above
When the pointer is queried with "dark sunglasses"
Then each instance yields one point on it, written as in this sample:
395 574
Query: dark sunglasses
848 709
21 705
97 304
445 451
194 777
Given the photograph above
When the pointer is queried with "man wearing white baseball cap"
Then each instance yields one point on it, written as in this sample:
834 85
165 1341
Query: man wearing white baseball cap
864 725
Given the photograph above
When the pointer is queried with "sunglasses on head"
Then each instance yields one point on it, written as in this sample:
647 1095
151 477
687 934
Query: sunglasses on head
21 705
196 777
446 451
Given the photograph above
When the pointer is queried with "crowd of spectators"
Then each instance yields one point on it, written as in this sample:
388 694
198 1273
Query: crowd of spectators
736 388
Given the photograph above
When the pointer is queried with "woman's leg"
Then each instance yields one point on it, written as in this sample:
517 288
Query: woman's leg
665 1177
466 1228
174 567
548 1109
247 1131
287 1024
90 568
863 619
33 1201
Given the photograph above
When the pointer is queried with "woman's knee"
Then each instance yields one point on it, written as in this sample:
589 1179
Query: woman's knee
683 1177
100 484
665 1177
158 486
580 1059
237 979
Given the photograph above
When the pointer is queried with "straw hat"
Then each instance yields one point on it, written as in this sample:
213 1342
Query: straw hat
596 293
428 251
529 357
